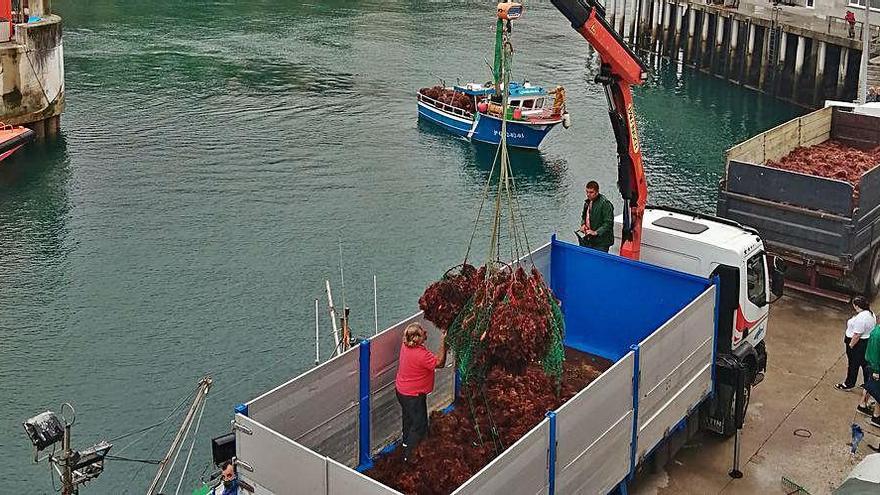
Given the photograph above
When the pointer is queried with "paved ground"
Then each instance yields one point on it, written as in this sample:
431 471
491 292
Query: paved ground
798 424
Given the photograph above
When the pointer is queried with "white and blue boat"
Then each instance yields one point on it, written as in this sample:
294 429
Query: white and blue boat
473 111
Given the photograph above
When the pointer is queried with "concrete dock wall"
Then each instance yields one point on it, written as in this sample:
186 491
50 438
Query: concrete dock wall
32 75
805 64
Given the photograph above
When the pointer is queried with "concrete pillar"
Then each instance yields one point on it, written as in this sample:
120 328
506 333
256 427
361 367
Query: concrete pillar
798 66
765 63
612 14
820 71
633 25
39 128
666 12
52 126
692 16
679 21
750 52
691 26
732 51
642 22
717 45
655 14
704 37
783 47
841 71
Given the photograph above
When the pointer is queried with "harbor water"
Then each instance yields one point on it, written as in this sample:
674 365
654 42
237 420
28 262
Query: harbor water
215 156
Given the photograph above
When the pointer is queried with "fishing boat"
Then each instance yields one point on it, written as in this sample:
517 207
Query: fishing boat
473 110
13 137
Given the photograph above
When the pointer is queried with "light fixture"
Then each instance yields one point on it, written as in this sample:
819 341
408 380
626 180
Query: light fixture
44 429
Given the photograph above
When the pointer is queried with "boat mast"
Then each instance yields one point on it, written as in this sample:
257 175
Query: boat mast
201 394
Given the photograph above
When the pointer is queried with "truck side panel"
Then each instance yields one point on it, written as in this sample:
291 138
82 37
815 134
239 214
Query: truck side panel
279 465
675 364
792 230
595 432
791 188
867 228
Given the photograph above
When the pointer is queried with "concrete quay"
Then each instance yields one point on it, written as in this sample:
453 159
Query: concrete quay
32 70
789 52
797 425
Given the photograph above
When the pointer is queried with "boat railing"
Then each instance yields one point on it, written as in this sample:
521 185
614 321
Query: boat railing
445 106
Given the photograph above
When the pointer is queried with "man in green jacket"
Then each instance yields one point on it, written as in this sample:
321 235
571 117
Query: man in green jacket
597 220
872 386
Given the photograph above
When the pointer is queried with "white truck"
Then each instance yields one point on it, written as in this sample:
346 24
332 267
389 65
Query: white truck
709 246
678 356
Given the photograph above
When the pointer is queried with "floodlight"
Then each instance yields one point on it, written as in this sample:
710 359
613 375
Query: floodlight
44 429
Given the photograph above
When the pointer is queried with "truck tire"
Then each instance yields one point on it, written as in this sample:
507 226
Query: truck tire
872 283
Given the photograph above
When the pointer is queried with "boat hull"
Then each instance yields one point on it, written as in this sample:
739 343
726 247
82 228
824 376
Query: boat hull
487 129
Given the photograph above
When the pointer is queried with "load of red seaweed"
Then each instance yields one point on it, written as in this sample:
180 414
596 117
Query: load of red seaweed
504 317
505 328
833 159
453 452
449 97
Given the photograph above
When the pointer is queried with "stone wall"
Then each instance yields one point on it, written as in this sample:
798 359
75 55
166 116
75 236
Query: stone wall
32 81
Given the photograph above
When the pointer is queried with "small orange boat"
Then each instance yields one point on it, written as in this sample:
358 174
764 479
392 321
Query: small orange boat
13 137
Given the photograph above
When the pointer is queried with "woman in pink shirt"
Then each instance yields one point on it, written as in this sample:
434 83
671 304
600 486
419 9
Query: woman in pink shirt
415 380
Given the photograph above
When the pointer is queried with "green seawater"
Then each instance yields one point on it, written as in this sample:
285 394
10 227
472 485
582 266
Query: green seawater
214 155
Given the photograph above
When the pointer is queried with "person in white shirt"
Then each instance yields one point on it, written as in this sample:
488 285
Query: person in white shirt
858 330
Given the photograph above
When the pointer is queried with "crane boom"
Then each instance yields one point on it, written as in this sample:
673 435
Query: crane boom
620 69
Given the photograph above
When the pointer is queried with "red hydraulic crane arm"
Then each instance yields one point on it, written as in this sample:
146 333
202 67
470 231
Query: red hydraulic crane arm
620 69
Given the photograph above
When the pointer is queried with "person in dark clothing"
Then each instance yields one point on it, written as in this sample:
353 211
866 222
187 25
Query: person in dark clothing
858 331
597 220
230 478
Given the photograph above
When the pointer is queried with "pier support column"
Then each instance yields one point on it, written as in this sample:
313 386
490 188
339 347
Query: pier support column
798 66
718 46
52 126
750 52
704 36
779 69
841 71
692 20
733 50
642 24
819 81
679 22
655 15
766 64
783 47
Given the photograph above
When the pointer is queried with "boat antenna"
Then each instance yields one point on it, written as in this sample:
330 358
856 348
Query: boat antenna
442 82
342 273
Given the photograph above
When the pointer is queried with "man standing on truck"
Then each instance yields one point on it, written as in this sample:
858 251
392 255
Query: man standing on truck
597 220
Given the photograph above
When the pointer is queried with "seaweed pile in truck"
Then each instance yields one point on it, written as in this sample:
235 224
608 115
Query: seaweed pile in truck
832 159
505 328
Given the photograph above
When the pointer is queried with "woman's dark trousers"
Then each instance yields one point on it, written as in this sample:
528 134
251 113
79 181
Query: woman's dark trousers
414 410
855 357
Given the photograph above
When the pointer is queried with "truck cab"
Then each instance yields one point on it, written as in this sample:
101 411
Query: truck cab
709 246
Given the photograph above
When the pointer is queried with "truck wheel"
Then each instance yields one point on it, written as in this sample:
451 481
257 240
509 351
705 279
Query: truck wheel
872 285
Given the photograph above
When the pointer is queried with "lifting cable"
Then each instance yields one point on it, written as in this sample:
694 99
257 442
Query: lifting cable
505 198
